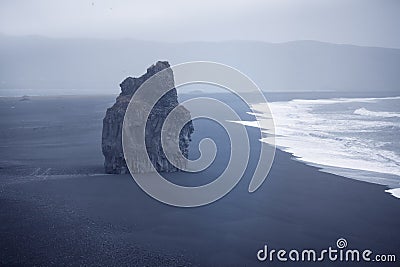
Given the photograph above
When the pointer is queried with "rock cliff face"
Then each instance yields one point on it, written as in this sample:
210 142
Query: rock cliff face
112 124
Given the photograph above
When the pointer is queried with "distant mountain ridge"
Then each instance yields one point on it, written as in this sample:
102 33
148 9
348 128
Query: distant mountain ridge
74 66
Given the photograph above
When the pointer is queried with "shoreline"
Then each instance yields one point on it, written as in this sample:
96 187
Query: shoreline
340 172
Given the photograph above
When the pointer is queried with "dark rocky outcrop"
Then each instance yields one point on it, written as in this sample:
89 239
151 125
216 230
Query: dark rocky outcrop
112 124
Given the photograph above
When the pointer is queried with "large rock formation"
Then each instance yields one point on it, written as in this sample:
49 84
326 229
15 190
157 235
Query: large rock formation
112 124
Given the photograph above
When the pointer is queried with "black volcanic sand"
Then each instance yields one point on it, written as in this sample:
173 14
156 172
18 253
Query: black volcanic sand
56 208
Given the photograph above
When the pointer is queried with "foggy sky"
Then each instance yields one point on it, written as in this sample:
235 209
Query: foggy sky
368 23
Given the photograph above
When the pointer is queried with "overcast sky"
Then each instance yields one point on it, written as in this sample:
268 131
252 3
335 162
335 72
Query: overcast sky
363 22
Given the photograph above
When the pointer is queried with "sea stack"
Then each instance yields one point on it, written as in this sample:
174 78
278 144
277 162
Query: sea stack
113 121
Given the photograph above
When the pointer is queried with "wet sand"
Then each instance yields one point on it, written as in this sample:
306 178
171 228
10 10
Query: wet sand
57 208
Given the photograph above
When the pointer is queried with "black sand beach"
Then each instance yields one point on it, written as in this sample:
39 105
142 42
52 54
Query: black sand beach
58 208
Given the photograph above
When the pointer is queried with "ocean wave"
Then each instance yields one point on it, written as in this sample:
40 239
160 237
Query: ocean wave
344 100
322 133
383 114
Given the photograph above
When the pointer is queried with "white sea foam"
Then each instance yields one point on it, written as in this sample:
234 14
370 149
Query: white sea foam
384 114
394 192
336 138
344 100
249 123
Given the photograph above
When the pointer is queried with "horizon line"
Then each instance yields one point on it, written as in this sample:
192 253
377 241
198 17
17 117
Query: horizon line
191 41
